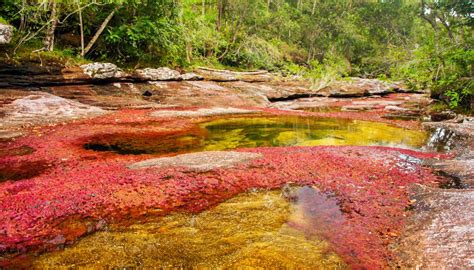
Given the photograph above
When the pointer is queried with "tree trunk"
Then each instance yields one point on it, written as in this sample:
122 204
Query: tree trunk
81 28
100 30
53 22
220 12
203 8
314 7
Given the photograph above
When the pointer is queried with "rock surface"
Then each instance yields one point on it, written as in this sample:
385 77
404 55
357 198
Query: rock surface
191 76
201 112
6 33
201 161
157 74
102 70
44 108
440 233
357 87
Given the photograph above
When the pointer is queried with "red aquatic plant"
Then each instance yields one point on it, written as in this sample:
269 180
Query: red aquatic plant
82 191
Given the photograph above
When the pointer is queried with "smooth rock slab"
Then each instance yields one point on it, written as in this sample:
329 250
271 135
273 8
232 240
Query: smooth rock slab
440 234
201 161
44 108
201 112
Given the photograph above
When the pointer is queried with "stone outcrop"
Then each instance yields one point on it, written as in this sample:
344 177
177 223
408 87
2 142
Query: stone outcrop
357 87
202 161
157 74
6 33
103 71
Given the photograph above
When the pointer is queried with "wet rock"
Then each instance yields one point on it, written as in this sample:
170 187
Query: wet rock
102 70
157 74
201 112
202 161
459 139
191 76
440 234
6 33
461 170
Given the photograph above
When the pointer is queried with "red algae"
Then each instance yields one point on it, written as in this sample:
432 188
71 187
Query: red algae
86 190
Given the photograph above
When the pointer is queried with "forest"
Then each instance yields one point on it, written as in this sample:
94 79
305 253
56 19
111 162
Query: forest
428 44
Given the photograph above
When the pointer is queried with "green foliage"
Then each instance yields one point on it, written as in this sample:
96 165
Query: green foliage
426 43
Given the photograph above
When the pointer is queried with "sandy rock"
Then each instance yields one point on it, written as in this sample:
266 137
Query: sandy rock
102 70
158 74
44 108
6 33
201 161
201 112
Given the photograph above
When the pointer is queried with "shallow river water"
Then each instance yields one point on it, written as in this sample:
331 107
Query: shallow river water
267 229
243 132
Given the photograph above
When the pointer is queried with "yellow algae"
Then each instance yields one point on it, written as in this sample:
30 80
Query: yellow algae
305 131
249 231
250 132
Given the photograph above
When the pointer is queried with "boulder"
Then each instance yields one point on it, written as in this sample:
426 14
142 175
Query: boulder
102 71
157 74
201 161
6 33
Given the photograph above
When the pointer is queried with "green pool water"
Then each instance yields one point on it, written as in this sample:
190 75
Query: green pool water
243 132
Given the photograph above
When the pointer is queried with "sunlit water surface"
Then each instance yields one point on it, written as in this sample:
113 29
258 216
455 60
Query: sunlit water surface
264 229
240 132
